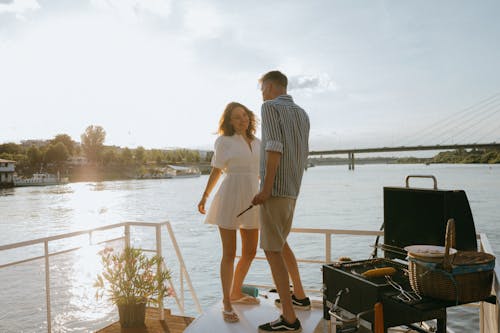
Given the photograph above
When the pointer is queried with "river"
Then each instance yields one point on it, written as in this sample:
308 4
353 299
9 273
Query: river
331 197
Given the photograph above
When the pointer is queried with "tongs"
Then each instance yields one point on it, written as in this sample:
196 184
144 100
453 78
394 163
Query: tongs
405 296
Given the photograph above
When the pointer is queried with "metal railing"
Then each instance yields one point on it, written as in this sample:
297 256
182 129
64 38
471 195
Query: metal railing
183 273
489 313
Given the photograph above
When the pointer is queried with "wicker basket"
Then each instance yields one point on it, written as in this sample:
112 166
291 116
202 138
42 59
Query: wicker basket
463 278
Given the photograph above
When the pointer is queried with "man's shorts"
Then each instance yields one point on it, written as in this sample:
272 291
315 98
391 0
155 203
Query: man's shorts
276 215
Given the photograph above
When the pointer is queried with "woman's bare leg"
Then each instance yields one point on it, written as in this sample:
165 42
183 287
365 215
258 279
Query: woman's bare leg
249 240
228 238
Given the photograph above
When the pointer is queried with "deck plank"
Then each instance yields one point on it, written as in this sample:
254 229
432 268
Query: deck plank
171 324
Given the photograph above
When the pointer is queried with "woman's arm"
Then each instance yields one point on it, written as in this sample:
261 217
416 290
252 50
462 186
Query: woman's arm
212 180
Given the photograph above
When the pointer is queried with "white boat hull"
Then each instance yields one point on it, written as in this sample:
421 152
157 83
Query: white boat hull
40 180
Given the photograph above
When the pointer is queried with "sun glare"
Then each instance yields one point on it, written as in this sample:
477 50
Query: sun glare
83 304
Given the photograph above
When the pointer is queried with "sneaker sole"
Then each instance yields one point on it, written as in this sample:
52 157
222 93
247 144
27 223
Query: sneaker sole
294 331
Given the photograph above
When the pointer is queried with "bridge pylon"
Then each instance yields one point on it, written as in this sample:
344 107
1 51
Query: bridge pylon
350 160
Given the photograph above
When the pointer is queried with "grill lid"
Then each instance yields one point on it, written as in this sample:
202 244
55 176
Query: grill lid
418 216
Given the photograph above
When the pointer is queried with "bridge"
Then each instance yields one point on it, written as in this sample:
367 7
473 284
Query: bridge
479 122
350 152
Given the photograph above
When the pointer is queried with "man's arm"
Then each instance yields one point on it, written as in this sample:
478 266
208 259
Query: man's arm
272 163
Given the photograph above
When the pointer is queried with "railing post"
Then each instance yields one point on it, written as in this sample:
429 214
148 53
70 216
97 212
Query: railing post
127 235
328 247
183 267
47 286
158 272
181 277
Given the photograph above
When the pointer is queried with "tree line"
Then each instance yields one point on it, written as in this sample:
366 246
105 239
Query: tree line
55 155
487 156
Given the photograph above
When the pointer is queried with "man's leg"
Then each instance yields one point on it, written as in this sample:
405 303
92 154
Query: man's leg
293 270
280 276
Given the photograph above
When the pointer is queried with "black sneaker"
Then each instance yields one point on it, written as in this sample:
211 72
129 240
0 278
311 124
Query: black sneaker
300 304
280 325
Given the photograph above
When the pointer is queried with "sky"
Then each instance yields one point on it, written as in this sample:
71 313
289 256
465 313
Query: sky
158 73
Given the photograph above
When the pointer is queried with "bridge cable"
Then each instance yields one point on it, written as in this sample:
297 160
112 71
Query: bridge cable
494 130
450 122
453 122
467 128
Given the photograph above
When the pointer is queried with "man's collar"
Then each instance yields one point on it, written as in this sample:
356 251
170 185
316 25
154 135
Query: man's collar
284 97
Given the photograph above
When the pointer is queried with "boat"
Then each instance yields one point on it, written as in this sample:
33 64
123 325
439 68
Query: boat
183 172
40 179
332 310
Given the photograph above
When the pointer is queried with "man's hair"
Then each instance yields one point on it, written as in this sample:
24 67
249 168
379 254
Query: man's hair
276 77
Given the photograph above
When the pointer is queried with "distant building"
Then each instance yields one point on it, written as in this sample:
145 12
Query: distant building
7 170
36 143
77 161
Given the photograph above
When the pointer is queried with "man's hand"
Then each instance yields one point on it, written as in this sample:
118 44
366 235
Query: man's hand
272 162
261 197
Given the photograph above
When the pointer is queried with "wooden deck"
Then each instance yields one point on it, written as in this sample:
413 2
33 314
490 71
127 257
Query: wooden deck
171 324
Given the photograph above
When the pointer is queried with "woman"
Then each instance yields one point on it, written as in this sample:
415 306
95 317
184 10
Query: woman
237 155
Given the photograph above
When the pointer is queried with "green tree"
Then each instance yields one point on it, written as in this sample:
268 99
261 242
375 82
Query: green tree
126 156
109 156
34 158
155 155
56 154
93 143
66 140
10 148
140 155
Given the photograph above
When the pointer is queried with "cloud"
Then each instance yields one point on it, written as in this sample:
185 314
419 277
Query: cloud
311 83
133 10
18 7
203 20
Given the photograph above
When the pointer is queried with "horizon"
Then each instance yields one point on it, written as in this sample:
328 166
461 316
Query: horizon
159 73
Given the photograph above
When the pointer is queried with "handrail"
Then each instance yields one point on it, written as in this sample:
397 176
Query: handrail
126 226
488 312
77 233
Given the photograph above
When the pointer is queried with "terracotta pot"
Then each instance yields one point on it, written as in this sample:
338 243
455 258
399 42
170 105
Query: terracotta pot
132 315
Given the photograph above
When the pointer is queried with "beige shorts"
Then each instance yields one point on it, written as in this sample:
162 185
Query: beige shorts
276 215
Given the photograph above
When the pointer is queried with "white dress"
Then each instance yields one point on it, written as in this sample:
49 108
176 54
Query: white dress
240 164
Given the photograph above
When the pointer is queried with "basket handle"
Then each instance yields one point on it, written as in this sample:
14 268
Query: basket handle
449 243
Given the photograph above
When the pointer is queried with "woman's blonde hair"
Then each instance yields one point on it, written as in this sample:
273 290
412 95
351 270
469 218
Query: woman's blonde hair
225 127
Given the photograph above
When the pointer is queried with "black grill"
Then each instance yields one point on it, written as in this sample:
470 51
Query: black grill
411 216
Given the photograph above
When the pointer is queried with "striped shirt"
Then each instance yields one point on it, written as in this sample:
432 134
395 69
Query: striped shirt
285 129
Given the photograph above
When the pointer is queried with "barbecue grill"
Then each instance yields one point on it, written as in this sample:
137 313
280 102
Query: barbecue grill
411 216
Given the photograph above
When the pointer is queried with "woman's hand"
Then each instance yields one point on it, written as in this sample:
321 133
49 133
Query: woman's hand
201 205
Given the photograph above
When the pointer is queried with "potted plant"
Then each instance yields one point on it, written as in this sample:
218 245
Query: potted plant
131 281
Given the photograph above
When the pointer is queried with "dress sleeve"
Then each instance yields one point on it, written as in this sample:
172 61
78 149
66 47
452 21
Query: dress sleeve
271 129
221 153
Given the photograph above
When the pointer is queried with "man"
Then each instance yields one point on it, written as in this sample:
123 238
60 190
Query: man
284 152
